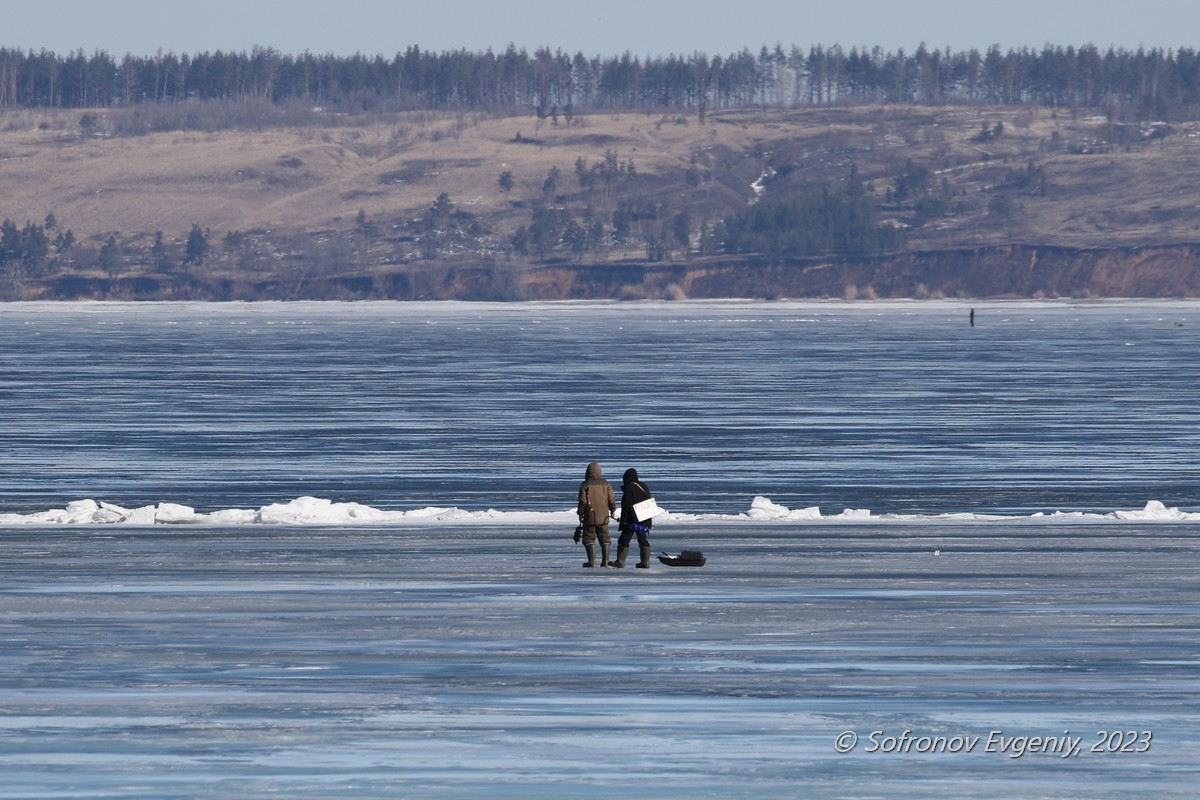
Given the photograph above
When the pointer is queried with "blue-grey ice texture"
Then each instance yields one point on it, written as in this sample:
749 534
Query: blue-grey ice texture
324 551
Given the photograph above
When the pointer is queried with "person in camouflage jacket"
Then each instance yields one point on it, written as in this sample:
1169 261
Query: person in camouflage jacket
597 502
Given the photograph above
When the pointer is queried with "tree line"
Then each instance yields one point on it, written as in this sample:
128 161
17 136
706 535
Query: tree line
37 249
1153 83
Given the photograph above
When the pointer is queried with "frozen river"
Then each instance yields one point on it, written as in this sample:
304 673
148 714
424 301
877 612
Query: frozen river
323 551
463 661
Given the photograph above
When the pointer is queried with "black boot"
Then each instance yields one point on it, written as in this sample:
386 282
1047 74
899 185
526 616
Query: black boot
591 553
622 553
645 562
603 555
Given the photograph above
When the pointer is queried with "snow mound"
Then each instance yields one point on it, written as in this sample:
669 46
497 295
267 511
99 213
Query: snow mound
321 511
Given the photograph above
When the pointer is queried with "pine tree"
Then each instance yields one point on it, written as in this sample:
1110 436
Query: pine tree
196 248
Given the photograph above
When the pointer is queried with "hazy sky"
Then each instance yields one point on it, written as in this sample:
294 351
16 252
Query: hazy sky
595 27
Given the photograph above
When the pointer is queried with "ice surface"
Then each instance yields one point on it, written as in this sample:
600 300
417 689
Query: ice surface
464 659
323 550
892 407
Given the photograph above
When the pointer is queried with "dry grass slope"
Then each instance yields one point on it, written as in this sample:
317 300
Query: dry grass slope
1065 180
313 179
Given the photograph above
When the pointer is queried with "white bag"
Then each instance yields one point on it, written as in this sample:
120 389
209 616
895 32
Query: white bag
646 509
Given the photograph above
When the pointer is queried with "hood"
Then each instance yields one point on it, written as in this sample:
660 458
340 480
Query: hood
593 470
630 475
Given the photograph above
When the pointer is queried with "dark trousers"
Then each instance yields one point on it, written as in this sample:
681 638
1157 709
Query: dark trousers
627 535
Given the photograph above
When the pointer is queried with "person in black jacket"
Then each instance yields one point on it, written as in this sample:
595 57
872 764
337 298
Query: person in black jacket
633 491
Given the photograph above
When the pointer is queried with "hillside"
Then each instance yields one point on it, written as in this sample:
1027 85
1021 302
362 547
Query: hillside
343 208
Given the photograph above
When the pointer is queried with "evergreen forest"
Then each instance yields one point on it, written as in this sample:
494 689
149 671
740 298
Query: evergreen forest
1135 84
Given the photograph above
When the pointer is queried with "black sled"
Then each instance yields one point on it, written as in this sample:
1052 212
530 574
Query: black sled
686 558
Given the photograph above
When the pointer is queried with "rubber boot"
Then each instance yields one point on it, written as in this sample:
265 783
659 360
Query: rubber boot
603 555
645 562
591 553
622 553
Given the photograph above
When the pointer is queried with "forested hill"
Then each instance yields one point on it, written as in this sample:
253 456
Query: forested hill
1061 171
1140 84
